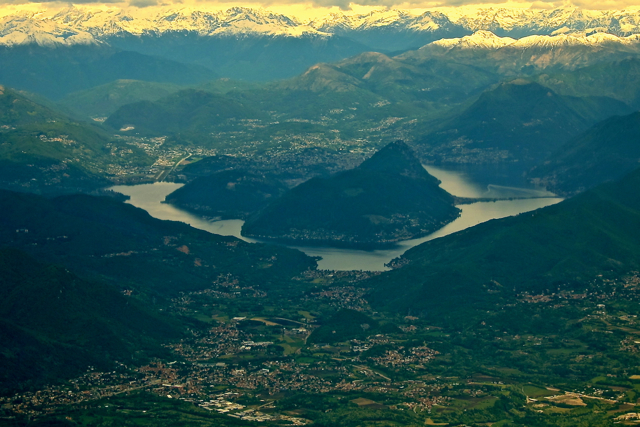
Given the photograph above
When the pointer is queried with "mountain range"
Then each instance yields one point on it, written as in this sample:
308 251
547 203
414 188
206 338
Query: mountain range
514 121
85 25
261 45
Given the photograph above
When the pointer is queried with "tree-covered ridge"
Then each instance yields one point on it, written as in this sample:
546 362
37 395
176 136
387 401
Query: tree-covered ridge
227 194
389 197
55 73
517 121
605 152
189 110
560 247
54 324
101 237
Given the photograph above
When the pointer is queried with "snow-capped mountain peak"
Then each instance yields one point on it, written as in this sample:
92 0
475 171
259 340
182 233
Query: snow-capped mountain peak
482 39
21 29
490 28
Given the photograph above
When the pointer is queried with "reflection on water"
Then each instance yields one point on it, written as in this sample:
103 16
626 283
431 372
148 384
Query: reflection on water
150 196
479 182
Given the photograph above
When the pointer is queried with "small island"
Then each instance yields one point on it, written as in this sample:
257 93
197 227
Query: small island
388 198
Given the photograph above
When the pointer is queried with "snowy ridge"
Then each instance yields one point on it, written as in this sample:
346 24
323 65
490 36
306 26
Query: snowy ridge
237 20
24 29
88 25
487 40
503 20
479 40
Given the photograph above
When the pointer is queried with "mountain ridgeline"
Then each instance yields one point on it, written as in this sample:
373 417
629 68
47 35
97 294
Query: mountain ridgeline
605 152
99 237
57 72
388 198
54 324
515 121
189 110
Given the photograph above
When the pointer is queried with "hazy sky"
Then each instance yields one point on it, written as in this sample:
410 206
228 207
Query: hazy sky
311 8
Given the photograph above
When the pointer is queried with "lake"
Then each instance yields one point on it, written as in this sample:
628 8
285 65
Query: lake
459 182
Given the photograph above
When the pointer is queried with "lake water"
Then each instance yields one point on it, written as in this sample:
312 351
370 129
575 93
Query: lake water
461 183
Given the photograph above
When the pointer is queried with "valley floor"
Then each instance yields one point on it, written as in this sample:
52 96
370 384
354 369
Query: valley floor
258 356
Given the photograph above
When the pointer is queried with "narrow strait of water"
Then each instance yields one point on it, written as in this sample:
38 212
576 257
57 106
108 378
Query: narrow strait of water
150 196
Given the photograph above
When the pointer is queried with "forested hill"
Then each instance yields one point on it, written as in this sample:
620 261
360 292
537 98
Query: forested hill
101 237
604 152
561 247
227 194
389 197
54 324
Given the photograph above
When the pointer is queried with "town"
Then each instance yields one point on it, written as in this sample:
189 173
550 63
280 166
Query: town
250 365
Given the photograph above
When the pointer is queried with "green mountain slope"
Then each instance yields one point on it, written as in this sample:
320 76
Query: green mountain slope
516 121
617 79
103 100
432 81
185 111
55 73
54 324
45 151
212 164
227 194
605 152
389 197
374 86
558 248
101 238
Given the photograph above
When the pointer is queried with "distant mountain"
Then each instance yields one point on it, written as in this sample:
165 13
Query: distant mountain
103 100
446 22
561 248
392 80
185 111
54 324
515 121
424 84
101 238
389 197
394 28
617 79
262 45
57 72
528 55
227 194
605 152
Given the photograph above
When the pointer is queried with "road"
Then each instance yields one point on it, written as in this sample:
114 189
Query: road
163 175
